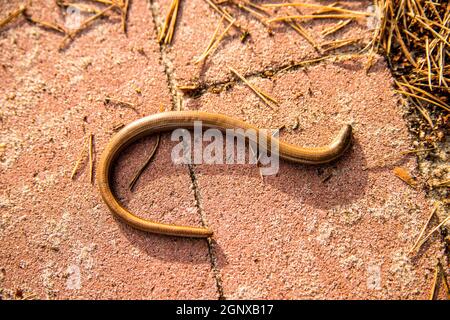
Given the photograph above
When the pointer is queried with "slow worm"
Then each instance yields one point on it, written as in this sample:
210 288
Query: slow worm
171 120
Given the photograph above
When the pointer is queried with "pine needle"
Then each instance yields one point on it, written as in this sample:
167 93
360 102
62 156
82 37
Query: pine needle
91 158
423 98
78 6
427 48
430 95
317 6
14 14
214 42
309 16
169 24
264 96
416 151
304 33
80 159
445 183
431 233
435 281
228 17
84 25
45 24
336 44
124 9
138 173
435 207
211 42
444 280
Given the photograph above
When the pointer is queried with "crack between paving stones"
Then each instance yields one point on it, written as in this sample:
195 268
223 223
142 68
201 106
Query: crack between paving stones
266 72
211 250
176 105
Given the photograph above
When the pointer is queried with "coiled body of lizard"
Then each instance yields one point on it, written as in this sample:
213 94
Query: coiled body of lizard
171 120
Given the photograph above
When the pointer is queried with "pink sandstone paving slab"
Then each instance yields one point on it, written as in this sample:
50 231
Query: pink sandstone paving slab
197 22
299 235
58 239
313 239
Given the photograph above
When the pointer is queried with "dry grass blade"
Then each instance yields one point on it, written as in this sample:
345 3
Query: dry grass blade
12 16
144 165
264 96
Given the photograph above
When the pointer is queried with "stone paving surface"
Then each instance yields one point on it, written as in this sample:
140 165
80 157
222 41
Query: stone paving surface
295 235
261 51
52 227
335 231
